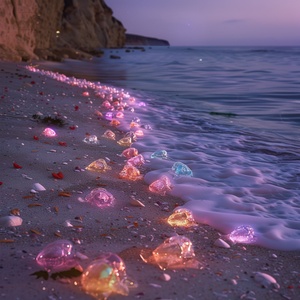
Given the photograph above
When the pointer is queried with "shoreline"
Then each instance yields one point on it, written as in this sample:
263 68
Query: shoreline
123 229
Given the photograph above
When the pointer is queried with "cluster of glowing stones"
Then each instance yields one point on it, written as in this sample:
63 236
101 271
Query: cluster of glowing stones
180 169
182 217
98 165
160 154
106 276
91 139
161 186
49 132
174 253
130 172
125 141
109 135
58 255
242 234
130 152
137 161
100 197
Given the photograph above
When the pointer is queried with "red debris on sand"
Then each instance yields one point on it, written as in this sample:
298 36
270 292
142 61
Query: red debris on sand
76 107
1 182
64 144
72 127
35 137
16 166
58 175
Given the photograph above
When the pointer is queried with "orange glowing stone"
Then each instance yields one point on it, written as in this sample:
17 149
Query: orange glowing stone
134 124
115 122
98 165
182 217
161 186
106 276
174 253
109 135
130 172
137 161
125 141
130 152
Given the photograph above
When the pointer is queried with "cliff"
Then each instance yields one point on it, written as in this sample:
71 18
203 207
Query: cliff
137 40
39 29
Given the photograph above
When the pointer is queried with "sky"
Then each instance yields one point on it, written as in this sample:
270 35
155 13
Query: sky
212 22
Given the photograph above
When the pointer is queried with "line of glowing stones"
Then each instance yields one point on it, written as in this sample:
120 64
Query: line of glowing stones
161 186
106 276
98 165
243 235
49 132
100 197
58 255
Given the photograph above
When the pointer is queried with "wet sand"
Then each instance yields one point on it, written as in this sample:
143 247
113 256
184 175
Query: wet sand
124 229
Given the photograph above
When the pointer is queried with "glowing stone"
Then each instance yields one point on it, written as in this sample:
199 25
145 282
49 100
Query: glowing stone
119 115
109 115
49 132
137 161
182 217
161 186
58 255
242 234
106 276
180 168
130 152
91 139
139 133
174 253
134 124
106 104
98 165
115 122
130 172
160 154
100 197
109 135
125 141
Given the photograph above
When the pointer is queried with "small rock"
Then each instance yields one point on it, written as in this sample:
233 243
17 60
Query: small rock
266 280
220 243
10 221
165 277
38 187
135 202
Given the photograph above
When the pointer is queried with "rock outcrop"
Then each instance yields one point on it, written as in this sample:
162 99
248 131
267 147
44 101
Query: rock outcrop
33 29
139 40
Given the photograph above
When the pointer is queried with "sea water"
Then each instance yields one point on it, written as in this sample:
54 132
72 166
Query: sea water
232 115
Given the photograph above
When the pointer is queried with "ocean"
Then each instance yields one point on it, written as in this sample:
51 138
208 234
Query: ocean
231 114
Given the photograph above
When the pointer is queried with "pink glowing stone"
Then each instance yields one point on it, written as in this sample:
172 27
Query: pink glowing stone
85 94
130 152
100 197
58 255
137 161
139 133
130 172
49 132
106 104
161 186
119 115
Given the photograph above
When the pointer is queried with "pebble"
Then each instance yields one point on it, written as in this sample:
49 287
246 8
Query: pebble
165 277
38 187
222 244
266 280
10 221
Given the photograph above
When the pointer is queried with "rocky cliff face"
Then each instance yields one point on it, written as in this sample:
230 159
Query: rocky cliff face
32 29
138 40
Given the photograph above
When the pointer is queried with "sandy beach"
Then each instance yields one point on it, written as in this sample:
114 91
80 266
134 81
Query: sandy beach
59 212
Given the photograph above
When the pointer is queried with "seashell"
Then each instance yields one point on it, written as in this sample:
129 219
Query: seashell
266 280
222 244
135 202
38 187
10 221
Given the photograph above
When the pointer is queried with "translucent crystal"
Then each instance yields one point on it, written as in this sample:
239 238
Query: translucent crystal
91 139
115 122
139 133
119 115
125 141
100 197
134 124
180 168
136 160
182 217
106 104
58 255
105 276
109 115
109 135
242 234
98 165
175 252
130 172
161 186
49 132
160 154
130 152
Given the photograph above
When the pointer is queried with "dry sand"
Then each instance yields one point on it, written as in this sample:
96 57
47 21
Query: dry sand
124 229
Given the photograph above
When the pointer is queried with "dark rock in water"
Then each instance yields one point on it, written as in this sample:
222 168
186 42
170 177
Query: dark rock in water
134 39
114 56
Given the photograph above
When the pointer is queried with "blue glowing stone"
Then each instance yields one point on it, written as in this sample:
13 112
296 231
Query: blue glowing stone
180 168
160 154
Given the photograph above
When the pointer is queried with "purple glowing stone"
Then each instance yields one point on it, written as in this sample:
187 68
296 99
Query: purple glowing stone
137 161
243 234
100 197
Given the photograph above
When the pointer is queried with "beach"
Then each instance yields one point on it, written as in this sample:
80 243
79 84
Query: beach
126 228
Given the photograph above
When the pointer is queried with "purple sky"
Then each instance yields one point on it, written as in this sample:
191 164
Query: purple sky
212 22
